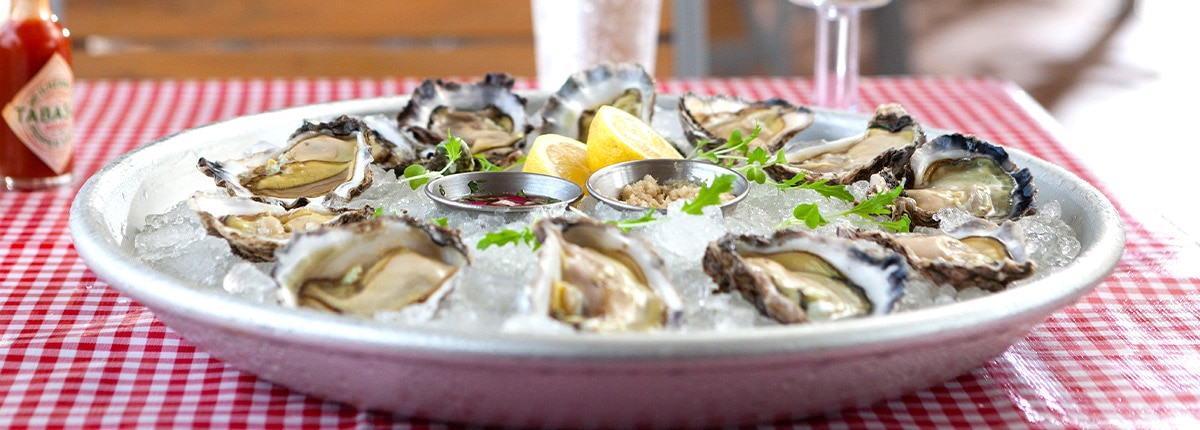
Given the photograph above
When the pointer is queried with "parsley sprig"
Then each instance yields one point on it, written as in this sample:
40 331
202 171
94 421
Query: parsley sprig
878 205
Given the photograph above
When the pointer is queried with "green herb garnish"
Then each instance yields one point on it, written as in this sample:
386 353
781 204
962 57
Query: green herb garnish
645 220
710 194
380 212
443 221
808 214
416 175
736 150
732 151
822 187
506 237
487 166
877 205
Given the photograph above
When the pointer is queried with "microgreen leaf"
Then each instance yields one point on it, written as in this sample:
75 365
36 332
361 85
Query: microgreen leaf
758 155
378 211
729 153
487 166
453 145
443 221
506 237
902 225
877 204
416 175
514 165
710 194
645 220
822 187
809 214
791 182
828 191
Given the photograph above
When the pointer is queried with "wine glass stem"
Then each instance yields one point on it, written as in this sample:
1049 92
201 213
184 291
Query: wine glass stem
836 72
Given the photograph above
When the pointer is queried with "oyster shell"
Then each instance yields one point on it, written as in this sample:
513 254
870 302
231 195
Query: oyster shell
327 162
796 276
964 172
597 278
886 144
384 263
709 120
487 115
392 149
570 110
255 229
975 254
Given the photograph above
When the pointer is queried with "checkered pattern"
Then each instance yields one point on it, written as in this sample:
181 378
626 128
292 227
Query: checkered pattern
75 353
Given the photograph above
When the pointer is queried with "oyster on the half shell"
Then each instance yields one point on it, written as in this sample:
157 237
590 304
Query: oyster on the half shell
795 276
385 263
328 162
595 277
487 115
708 121
255 229
964 172
977 253
393 150
890 136
570 110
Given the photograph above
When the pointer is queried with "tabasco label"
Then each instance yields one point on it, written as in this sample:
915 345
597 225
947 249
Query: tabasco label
40 114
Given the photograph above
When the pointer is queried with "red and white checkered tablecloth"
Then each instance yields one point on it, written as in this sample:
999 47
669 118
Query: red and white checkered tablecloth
75 353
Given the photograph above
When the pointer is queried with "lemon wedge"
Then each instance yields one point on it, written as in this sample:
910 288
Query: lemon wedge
616 136
558 155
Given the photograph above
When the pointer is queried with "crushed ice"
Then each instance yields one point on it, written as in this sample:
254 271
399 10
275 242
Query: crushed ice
489 293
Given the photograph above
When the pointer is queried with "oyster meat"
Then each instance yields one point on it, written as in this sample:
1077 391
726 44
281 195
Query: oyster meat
709 120
487 115
597 278
961 171
886 144
385 263
975 254
255 229
327 162
392 150
570 110
795 276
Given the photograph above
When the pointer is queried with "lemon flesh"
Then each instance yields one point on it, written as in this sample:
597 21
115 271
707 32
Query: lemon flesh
558 155
615 136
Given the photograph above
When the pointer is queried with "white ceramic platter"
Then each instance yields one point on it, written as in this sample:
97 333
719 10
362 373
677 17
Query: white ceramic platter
526 379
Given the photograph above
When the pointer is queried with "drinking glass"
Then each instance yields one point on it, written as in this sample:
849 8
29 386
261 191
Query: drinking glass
573 35
836 65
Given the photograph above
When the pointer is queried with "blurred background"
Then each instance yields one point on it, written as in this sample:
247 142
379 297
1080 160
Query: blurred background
1087 61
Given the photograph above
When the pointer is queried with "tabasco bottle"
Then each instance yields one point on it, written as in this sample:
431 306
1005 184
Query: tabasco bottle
35 98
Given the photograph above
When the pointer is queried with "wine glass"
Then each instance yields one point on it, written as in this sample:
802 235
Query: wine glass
836 64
